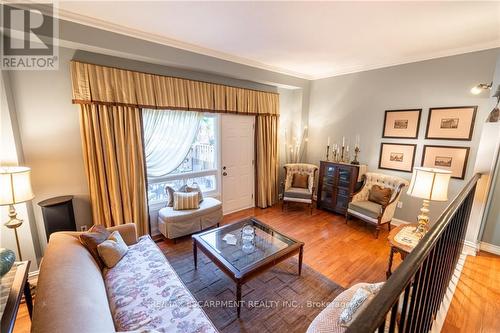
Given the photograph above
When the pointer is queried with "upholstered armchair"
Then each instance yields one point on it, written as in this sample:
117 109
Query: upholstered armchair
299 184
378 212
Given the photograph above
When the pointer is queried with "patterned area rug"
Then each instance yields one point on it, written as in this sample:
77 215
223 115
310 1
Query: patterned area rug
276 301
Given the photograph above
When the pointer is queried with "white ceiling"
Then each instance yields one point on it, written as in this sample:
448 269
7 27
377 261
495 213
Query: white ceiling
305 39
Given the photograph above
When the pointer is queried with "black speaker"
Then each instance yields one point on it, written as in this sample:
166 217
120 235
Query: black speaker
58 214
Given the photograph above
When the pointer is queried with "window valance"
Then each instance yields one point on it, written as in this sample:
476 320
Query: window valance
95 84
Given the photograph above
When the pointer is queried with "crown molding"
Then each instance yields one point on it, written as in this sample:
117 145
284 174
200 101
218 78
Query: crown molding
408 60
135 33
151 37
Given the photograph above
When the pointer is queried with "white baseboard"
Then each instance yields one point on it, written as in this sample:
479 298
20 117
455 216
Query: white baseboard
491 248
398 222
470 248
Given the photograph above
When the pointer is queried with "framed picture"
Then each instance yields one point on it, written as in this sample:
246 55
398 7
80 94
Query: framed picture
449 158
451 123
399 157
402 124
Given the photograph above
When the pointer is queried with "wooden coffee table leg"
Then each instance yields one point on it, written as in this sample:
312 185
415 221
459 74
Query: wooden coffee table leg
195 254
301 254
28 299
238 298
389 266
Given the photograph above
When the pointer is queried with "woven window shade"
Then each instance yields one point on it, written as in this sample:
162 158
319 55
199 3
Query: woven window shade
95 84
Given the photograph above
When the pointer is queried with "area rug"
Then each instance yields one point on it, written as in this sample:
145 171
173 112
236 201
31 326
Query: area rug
276 301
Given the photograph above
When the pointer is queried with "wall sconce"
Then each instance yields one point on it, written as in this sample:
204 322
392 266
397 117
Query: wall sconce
476 90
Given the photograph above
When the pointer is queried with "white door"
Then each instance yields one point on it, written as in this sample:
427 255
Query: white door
237 157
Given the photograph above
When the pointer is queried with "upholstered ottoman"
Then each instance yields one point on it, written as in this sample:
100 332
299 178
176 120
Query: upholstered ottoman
176 223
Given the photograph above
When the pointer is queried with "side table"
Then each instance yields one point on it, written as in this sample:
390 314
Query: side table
12 286
402 249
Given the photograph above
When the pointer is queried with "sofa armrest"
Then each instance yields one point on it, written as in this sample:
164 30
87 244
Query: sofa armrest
127 231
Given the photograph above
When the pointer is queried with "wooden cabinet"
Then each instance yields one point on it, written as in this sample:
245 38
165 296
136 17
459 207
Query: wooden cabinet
336 185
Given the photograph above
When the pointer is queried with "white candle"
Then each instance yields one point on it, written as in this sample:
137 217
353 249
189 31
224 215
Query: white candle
343 141
328 144
357 140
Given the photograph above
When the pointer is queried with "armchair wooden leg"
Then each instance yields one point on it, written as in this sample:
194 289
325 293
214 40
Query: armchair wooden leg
346 217
377 231
310 208
389 226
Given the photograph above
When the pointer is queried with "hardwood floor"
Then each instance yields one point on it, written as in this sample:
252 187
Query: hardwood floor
476 303
348 254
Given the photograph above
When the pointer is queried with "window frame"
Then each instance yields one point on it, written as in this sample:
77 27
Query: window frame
184 176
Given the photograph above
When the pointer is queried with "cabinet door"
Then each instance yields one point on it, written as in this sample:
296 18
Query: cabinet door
344 177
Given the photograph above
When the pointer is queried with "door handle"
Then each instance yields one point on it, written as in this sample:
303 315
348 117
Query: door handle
224 173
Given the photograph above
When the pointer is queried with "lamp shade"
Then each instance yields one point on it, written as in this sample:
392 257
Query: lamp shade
430 184
15 185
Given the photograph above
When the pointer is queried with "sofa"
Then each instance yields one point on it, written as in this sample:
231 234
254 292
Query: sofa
141 293
177 223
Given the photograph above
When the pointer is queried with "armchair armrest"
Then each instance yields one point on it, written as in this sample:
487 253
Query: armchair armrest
363 180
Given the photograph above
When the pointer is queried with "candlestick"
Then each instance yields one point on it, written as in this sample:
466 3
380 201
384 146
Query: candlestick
342 154
356 152
327 150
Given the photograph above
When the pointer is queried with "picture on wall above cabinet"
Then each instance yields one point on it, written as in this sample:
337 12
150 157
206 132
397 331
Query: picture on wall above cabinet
449 158
451 123
402 124
399 157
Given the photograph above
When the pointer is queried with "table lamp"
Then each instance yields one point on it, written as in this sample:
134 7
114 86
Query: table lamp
15 187
431 185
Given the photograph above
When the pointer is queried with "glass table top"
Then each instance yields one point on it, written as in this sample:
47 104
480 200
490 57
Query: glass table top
265 243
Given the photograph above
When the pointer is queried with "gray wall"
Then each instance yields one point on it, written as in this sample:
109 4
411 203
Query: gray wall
491 231
354 104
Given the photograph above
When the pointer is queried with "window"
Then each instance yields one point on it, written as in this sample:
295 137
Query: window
198 166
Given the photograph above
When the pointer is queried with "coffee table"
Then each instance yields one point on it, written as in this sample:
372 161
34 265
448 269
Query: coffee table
242 263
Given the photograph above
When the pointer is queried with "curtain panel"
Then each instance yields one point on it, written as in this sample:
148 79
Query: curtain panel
114 161
95 84
168 136
266 138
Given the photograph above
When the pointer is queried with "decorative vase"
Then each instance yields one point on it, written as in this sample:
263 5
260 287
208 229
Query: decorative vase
7 258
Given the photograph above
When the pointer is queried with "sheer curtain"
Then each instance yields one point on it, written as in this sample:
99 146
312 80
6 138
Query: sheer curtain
168 136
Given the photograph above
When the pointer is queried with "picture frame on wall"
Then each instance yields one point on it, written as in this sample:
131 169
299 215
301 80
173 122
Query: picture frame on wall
402 124
451 123
397 156
449 158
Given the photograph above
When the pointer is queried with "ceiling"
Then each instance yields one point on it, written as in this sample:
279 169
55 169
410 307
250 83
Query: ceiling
305 39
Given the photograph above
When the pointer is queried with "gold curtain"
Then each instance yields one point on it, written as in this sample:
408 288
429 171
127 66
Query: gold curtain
114 160
94 84
110 99
266 133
